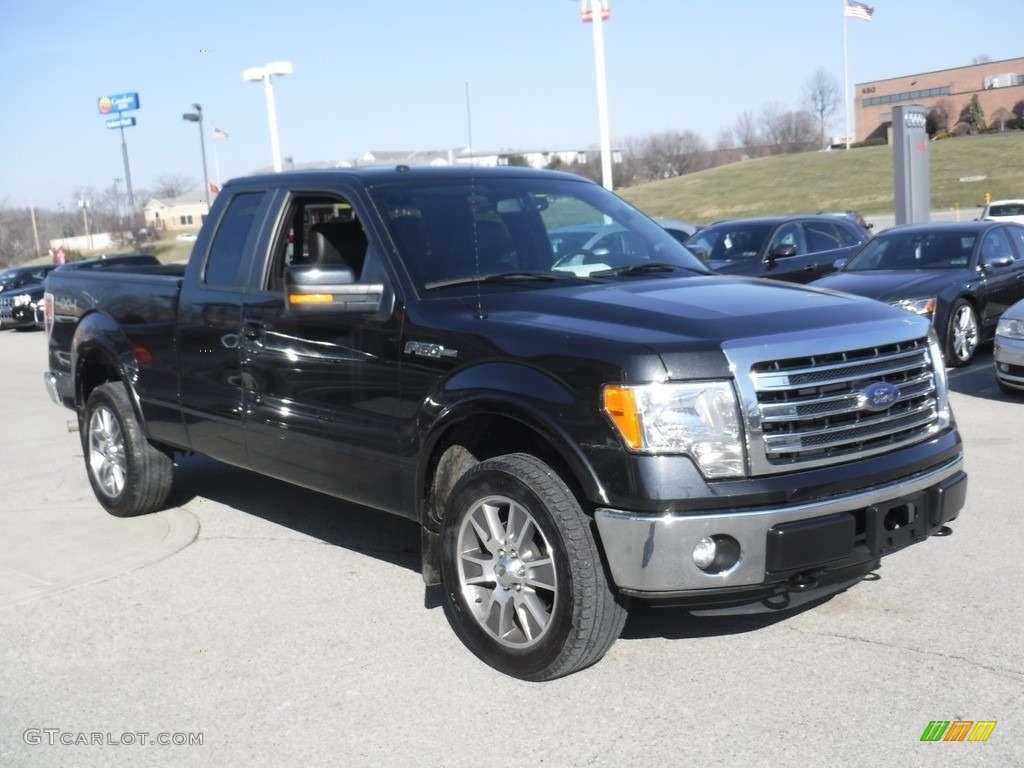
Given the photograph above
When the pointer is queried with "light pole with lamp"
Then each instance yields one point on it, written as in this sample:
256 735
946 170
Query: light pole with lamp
197 117
255 75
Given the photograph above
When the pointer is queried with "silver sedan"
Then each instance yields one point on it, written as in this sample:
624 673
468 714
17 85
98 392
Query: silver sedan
1008 351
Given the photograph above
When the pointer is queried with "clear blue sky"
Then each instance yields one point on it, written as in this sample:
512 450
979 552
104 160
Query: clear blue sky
392 75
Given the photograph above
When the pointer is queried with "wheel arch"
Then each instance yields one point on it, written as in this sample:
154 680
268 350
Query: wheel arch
102 354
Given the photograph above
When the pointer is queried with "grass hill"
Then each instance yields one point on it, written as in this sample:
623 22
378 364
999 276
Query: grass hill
861 179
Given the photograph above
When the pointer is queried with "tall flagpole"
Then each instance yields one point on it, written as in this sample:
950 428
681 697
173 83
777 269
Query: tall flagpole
846 77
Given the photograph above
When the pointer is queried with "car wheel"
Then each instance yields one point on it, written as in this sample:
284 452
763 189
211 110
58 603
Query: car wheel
962 335
128 475
525 588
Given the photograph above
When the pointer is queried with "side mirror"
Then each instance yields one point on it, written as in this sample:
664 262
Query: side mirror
779 252
998 263
328 289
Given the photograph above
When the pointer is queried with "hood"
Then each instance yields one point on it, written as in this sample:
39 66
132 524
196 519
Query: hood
629 319
892 285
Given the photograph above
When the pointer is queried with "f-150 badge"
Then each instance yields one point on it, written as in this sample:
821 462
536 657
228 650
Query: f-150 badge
423 349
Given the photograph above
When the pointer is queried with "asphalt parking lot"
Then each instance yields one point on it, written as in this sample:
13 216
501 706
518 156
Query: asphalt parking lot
281 628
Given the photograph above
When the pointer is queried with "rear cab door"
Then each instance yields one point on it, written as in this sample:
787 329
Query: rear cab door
219 274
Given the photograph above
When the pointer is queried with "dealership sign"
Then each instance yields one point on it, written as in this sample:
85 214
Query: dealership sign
120 102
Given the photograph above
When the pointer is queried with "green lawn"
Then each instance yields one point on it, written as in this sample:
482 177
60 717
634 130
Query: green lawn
861 179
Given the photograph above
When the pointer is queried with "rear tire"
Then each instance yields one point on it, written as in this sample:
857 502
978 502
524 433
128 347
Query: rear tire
128 475
525 588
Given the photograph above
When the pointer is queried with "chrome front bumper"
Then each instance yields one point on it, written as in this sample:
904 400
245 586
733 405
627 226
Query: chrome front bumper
651 556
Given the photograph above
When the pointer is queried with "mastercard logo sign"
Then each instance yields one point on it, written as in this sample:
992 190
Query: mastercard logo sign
106 105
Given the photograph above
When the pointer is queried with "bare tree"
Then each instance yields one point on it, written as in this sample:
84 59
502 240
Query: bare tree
822 99
983 58
172 185
787 131
747 134
673 153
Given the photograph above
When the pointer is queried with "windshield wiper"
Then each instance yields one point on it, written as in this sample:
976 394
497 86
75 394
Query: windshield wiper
500 277
640 269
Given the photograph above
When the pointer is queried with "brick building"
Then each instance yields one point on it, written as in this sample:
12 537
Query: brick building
998 84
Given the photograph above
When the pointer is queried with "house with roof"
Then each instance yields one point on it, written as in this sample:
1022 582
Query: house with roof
174 214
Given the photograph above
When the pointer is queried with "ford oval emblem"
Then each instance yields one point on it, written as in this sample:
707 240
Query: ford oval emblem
879 396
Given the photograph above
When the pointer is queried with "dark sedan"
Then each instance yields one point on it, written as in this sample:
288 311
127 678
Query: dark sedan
797 249
961 275
21 290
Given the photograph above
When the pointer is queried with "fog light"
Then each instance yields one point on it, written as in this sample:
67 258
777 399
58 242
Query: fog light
704 552
716 554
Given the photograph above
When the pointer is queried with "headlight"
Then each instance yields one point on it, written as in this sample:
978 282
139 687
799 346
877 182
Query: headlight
22 300
917 306
698 418
1010 329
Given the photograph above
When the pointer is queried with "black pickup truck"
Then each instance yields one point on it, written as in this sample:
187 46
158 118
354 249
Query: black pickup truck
576 411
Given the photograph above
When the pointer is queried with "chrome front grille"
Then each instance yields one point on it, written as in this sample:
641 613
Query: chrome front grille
813 408
812 405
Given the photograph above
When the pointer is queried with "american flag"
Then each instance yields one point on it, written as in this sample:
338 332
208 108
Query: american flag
219 134
859 10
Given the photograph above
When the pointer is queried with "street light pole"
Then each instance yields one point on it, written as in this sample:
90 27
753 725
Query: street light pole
197 117
266 74
596 14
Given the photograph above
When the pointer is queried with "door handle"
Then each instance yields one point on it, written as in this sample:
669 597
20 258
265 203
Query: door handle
253 333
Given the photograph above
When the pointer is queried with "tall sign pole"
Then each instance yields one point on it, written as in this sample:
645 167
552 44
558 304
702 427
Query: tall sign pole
116 104
597 18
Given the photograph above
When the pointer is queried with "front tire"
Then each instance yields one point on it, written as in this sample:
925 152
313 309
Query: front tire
128 475
962 335
525 588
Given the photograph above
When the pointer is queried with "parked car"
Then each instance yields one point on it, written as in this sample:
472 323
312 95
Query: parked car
189 236
22 290
680 230
797 249
1004 210
852 215
961 275
1008 350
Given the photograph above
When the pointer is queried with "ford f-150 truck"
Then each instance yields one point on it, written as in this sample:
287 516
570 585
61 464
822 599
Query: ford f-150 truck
573 408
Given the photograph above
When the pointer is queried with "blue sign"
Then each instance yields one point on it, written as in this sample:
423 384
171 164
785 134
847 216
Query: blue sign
121 102
120 122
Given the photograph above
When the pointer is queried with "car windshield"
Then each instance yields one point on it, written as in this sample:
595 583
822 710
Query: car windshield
914 250
726 242
6 277
532 230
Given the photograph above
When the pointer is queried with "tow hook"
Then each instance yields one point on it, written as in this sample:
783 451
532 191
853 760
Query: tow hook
944 531
800 582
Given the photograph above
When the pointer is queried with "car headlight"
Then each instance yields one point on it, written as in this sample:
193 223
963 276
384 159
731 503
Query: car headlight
22 300
700 418
1011 329
917 306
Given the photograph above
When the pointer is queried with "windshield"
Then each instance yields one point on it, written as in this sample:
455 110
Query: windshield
6 277
726 242
451 232
914 250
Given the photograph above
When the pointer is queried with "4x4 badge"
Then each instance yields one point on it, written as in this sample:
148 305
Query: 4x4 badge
423 349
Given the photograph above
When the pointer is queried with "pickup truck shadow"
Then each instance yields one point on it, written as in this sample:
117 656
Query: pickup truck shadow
388 537
396 540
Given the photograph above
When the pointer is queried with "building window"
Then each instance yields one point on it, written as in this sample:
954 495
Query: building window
892 98
186 221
